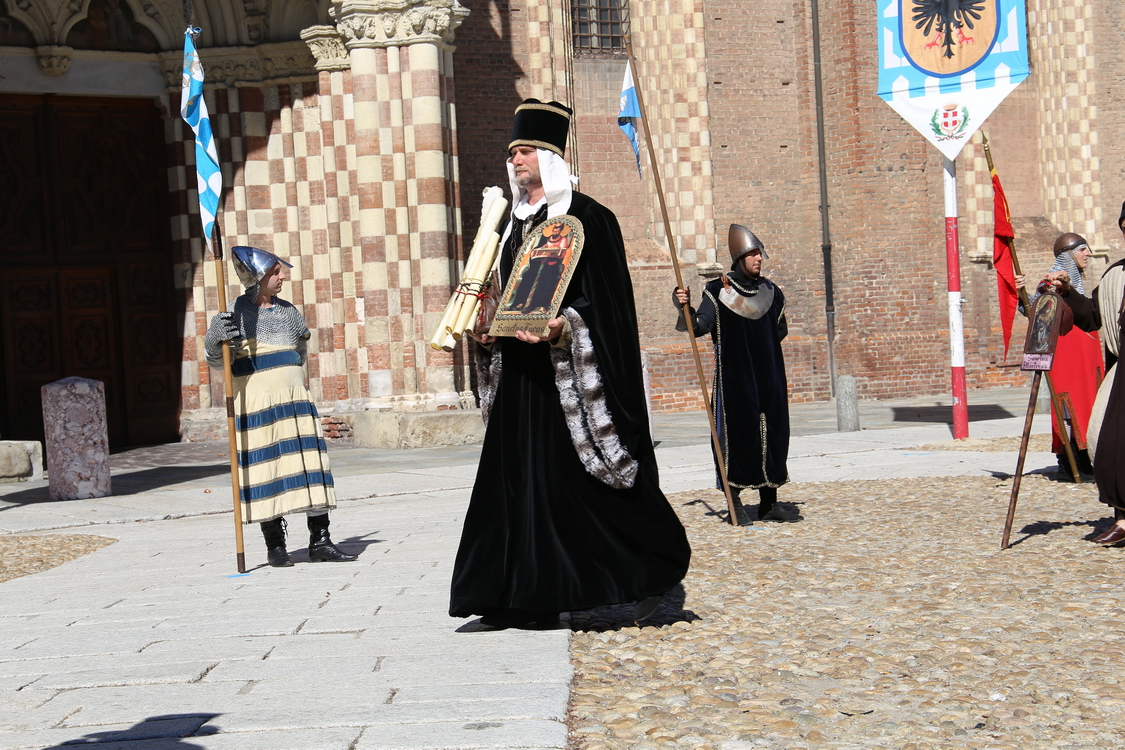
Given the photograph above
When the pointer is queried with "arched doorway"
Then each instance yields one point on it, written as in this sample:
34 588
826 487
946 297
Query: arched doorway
86 283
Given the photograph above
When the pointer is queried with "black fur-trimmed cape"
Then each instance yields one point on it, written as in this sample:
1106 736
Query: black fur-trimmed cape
566 512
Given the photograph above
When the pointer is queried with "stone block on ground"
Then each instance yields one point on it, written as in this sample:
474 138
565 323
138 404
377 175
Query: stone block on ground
77 439
20 460
847 404
428 429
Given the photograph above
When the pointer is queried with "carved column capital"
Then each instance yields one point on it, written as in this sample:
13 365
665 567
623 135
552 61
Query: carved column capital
397 23
327 47
53 60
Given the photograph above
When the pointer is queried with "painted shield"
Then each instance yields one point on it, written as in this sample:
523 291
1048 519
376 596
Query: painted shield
947 37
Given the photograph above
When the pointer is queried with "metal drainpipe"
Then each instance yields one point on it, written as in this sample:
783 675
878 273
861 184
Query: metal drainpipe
825 232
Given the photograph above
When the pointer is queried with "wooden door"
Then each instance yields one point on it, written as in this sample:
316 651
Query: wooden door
85 263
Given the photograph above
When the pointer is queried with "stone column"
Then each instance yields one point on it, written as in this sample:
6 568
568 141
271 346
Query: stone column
77 438
401 66
335 101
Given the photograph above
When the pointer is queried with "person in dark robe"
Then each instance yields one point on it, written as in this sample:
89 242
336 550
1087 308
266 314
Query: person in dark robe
745 314
1108 296
1078 366
1109 458
566 513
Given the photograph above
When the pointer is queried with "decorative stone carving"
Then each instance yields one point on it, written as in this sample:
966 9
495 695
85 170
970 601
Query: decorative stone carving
327 47
53 60
283 62
77 439
257 23
152 12
396 23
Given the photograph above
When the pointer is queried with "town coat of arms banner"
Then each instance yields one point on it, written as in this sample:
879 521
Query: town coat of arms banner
945 65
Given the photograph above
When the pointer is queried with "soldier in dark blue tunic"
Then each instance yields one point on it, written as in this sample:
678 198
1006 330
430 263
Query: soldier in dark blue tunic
745 314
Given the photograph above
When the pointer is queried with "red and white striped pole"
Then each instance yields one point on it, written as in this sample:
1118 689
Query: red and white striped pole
956 325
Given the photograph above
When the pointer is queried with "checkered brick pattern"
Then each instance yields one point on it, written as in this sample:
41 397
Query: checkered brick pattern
408 218
549 55
974 191
668 42
274 144
360 198
1063 56
288 160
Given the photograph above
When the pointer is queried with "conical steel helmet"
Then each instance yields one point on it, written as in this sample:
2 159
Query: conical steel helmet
252 263
742 241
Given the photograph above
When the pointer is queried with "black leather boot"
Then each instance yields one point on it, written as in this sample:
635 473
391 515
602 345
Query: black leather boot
274 532
321 548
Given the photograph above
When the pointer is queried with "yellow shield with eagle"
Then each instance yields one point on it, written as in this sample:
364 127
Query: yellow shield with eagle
948 37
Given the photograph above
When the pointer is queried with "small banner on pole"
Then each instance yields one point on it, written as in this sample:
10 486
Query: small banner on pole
629 111
193 109
945 65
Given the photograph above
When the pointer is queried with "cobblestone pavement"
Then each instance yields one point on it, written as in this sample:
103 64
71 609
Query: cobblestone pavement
889 618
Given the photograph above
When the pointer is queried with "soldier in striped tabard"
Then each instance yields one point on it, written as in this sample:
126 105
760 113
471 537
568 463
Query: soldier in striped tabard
282 457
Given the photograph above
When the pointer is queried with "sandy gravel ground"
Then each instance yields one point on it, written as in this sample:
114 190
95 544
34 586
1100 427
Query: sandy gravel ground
24 554
1037 443
889 618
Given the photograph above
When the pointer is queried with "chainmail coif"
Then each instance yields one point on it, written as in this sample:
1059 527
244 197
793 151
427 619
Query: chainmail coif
280 325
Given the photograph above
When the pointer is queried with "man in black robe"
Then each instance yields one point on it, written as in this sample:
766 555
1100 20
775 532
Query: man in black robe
745 314
566 512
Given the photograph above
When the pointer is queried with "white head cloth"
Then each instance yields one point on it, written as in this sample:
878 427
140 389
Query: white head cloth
556 185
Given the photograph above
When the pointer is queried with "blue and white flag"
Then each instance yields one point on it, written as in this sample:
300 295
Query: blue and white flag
945 65
629 111
194 111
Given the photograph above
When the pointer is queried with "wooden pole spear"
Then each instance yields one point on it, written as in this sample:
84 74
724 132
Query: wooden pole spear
228 392
1019 461
716 444
1056 405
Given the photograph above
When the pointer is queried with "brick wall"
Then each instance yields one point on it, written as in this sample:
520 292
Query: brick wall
1109 86
729 89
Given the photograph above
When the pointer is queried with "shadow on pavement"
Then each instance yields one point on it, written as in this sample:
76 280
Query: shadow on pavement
353 545
722 514
133 483
165 732
602 619
944 414
618 616
1041 528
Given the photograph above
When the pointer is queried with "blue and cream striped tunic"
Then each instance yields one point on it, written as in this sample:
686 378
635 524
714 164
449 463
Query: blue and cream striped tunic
282 456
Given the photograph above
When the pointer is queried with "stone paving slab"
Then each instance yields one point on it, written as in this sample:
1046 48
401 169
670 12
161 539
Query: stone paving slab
160 625
163 735
513 735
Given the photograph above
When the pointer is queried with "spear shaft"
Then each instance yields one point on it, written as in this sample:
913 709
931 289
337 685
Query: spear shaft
686 311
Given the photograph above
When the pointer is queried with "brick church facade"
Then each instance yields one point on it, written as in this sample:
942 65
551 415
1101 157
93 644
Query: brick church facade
356 137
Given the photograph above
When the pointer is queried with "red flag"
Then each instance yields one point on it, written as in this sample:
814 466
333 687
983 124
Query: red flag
1002 260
